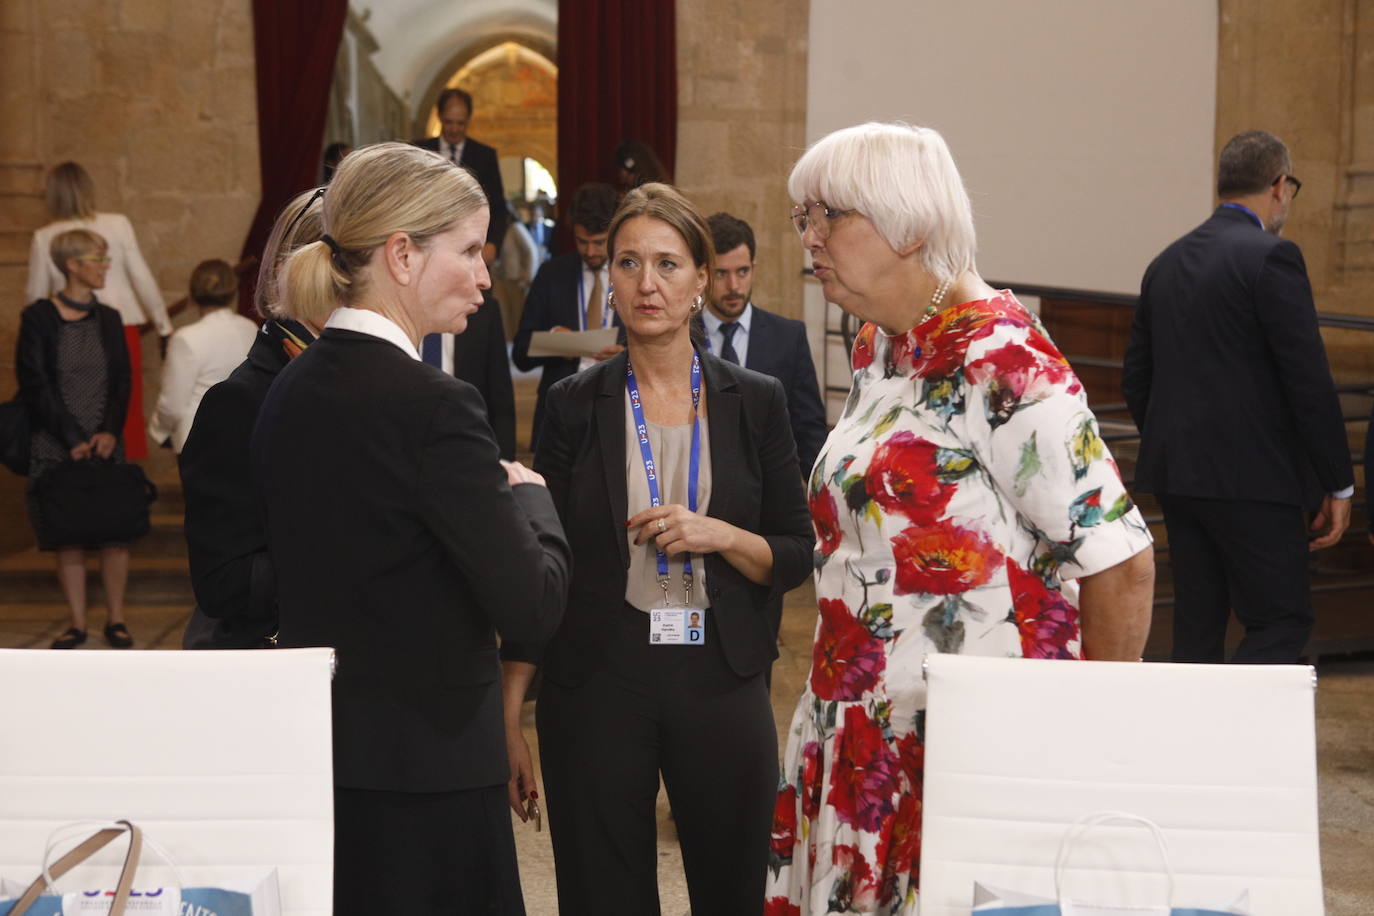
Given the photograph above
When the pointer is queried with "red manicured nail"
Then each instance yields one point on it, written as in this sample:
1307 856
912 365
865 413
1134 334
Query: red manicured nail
533 794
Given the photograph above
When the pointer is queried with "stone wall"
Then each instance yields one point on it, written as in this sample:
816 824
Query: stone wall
156 98
742 125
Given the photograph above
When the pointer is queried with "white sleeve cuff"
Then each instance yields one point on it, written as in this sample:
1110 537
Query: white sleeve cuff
1345 493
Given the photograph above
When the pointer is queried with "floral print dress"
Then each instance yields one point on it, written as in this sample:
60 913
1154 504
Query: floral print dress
963 491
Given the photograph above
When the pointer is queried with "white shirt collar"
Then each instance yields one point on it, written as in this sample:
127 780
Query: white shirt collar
373 324
713 323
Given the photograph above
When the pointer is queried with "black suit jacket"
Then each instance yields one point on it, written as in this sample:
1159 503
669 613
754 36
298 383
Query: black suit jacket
778 347
35 362
1226 374
407 551
481 160
480 359
754 486
231 571
551 302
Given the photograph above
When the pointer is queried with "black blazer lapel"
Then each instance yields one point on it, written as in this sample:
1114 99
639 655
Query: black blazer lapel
610 435
722 419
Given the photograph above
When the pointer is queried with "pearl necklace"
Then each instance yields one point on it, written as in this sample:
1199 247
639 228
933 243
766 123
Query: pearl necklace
938 297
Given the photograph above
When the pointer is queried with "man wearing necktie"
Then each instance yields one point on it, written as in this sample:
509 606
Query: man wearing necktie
453 143
569 294
744 334
478 357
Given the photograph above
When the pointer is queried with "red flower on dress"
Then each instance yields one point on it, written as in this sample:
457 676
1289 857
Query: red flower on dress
1013 372
862 356
847 658
784 836
863 780
780 906
903 476
912 753
945 338
857 890
942 559
899 850
825 518
1045 619
811 780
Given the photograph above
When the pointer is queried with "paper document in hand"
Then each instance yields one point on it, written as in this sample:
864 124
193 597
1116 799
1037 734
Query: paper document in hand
571 343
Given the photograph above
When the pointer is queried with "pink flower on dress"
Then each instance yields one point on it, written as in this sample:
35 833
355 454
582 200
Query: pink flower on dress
846 659
825 518
1045 619
812 785
863 780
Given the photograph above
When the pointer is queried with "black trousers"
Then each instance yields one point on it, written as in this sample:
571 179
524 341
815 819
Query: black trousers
1250 557
675 710
425 853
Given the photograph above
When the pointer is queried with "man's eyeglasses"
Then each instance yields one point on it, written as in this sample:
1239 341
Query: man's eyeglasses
818 216
1284 176
92 259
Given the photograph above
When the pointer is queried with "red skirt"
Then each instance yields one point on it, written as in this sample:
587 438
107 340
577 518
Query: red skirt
135 428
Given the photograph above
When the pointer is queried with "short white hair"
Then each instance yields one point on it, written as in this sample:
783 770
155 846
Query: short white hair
904 180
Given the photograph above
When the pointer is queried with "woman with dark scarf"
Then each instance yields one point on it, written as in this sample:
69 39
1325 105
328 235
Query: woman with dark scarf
231 572
73 373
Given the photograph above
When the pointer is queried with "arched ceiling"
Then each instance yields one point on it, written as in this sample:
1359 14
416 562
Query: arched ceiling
421 38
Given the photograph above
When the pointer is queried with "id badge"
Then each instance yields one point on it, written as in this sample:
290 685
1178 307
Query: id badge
677 626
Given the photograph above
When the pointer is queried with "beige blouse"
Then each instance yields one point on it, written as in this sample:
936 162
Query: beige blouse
672 449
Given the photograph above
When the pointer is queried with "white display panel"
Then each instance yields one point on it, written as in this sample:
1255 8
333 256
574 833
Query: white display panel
1084 129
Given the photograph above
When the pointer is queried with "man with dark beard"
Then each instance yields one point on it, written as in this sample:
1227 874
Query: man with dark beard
570 294
741 332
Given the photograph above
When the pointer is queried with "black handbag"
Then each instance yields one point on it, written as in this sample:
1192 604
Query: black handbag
91 502
14 436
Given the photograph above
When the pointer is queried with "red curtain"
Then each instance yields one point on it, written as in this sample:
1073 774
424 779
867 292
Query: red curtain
295 46
617 80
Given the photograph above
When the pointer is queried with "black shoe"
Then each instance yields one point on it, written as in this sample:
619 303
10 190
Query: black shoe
117 635
70 639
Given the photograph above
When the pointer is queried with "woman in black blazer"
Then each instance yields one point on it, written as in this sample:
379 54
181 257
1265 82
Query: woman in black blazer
631 688
398 537
74 377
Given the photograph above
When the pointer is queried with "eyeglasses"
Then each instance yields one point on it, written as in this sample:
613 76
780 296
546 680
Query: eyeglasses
92 259
818 216
1284 176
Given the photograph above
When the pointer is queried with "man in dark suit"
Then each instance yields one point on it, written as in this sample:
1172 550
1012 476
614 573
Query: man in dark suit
1241 429
478 356
454 108
569 294
746 335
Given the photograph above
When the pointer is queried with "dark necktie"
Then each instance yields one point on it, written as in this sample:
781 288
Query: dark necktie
453 154
727 347
431 350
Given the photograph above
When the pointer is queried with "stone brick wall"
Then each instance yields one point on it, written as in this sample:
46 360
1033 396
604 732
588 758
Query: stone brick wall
742 125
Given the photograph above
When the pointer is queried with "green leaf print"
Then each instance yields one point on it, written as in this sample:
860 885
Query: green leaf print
941 627
1119 508
954 464
884 424
878 619
1086 510
1085 446
1028 467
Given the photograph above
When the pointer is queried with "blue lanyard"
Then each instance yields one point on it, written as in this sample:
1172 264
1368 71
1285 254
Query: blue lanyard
1244 209
651 470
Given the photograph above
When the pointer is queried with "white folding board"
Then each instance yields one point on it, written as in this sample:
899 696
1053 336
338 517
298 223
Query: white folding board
1222 757
224 758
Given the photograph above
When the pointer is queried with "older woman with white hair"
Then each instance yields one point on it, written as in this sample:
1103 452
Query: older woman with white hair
964 503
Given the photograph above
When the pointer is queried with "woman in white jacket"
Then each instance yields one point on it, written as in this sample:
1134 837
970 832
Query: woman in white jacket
201 354
129 287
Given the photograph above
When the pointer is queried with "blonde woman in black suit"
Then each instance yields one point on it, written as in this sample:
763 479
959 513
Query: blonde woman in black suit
675 475
399 538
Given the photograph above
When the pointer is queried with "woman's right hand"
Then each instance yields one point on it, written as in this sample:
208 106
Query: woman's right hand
521 785
518 473
81 452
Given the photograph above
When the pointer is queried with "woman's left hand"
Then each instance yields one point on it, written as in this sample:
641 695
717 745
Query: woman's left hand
521 785
103 444
676 529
